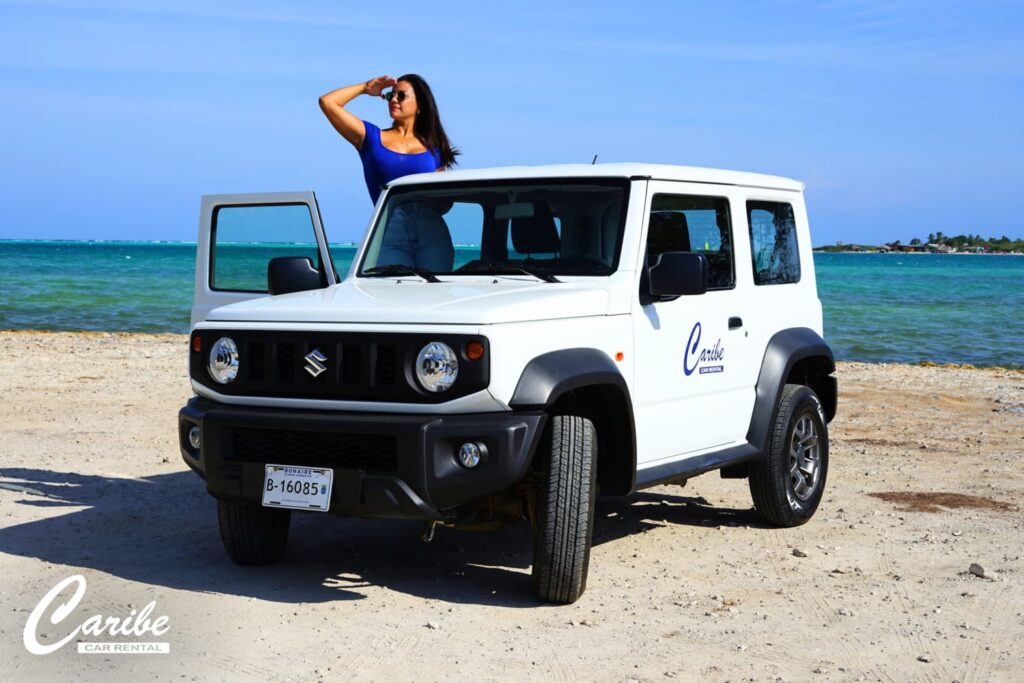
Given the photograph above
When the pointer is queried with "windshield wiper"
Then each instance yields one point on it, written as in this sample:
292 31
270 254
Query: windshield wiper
498 268
398 269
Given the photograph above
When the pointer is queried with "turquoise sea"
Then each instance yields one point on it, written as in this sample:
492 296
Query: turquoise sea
878 307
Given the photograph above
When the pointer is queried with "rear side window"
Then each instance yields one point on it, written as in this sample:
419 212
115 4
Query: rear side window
697 224
773 246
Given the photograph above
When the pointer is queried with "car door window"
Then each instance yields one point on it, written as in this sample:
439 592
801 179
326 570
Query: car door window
696 224
245 238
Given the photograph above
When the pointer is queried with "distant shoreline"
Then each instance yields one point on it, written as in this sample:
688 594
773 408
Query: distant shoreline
146 243
186 243
819 250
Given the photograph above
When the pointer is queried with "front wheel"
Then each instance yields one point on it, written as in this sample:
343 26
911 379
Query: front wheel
565 510
253 534
788 481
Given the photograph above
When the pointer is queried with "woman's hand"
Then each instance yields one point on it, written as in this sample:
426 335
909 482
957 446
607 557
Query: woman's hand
375 86
333 106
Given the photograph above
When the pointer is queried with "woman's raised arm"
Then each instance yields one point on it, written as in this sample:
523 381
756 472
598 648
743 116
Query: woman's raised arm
333 105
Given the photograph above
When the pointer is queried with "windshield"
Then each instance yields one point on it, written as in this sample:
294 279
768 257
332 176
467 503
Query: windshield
536 228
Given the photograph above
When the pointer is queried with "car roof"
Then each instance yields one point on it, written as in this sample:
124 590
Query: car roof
691 174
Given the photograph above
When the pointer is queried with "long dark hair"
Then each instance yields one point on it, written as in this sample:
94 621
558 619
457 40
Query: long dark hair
428 128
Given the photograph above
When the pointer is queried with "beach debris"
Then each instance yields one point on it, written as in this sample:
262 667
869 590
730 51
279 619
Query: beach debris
924 658
978 571
433 625
799 553
22 489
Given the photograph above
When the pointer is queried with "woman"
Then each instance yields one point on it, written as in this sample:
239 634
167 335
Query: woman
415 143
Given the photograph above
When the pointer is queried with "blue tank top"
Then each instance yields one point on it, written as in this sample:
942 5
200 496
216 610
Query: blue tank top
382 165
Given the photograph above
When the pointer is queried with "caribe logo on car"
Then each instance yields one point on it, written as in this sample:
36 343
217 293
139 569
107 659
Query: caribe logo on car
695 357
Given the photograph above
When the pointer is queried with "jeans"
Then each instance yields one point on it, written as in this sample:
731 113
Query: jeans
416 235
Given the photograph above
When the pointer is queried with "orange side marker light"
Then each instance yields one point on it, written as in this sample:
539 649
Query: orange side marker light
474 350
197 343
619 356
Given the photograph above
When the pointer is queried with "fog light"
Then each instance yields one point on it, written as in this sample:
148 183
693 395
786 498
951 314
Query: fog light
193 437
470 454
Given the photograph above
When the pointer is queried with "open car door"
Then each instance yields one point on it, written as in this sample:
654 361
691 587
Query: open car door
238 236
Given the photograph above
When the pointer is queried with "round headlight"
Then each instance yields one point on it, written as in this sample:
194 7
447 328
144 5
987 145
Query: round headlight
437 366
223 365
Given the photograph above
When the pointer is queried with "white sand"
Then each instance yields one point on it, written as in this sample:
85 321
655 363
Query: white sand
685 584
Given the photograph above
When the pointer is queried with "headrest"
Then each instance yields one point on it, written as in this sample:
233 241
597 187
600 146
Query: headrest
610 221
536 234
668 232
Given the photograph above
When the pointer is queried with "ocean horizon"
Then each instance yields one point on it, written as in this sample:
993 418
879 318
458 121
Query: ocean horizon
905 308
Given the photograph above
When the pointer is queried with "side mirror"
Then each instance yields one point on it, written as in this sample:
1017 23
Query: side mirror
286 274
678 273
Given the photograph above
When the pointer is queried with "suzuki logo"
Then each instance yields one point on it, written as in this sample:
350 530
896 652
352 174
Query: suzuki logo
315 360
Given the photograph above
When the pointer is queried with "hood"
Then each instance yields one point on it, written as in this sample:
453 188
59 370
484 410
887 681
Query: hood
406 301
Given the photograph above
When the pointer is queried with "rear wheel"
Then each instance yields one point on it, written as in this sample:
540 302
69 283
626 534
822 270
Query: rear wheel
788 481
253 534
565 510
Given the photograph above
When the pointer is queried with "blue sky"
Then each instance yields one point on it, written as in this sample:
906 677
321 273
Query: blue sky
903 117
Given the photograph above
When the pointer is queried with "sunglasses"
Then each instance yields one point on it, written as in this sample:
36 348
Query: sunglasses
399 95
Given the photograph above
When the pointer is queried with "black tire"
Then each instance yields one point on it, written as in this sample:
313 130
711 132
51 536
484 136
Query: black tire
253 534
565 510
788 481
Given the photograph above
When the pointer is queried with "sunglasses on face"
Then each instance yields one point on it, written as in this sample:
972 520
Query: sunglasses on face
399 95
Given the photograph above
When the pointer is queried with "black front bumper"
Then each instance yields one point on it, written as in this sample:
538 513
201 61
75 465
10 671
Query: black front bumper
385 465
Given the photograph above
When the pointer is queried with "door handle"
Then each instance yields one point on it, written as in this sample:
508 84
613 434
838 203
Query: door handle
735 322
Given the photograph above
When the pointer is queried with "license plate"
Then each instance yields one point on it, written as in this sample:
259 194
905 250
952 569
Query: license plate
298 488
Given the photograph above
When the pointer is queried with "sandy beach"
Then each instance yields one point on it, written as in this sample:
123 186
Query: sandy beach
926 478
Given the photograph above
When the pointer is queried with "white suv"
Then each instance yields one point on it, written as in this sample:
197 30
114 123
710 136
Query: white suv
508 343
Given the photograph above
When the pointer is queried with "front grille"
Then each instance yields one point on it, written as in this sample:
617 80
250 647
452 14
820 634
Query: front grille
285 362
258 362
351 364
384 369
369 452
358 366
